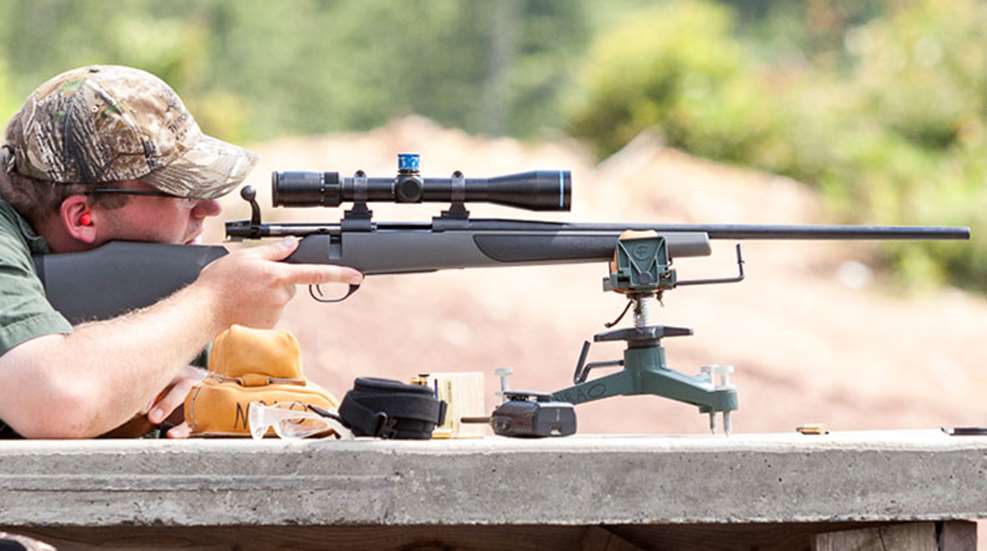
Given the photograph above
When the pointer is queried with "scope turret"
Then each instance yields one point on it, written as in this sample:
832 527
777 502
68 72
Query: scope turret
544 190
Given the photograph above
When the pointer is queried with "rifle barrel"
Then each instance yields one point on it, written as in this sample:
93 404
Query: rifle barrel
744 231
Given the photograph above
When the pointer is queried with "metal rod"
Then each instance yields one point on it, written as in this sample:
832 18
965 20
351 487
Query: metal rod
644 314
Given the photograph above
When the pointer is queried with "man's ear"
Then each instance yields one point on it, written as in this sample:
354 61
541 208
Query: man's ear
77 218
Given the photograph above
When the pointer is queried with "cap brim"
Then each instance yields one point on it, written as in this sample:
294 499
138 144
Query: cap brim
211 169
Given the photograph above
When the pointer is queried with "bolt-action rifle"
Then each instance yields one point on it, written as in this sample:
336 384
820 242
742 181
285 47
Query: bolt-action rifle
122 276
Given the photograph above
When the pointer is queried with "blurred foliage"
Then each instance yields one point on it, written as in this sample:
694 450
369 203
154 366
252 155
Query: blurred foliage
677 68
880 104
882 107
254 69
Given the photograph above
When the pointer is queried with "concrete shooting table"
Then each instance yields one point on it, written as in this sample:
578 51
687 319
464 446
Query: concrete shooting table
863 490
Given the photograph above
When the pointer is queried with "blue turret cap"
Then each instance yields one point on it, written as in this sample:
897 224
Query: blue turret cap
408 162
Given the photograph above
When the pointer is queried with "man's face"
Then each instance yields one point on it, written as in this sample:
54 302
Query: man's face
155 219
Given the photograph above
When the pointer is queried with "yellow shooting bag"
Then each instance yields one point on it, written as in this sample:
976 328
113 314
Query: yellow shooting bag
247 365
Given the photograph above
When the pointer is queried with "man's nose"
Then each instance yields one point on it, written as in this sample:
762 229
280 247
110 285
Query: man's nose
207 208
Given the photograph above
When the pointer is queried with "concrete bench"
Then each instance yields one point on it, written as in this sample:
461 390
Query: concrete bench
769 491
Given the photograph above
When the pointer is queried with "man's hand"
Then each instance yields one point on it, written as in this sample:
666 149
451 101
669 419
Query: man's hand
179 431
250 287
164 407
173 396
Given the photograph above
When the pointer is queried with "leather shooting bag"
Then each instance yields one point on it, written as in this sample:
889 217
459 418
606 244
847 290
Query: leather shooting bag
247 365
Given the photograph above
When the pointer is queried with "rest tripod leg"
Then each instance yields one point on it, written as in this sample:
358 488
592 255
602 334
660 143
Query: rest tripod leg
645 373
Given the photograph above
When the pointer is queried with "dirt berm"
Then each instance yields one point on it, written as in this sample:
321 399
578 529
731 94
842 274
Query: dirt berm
815 335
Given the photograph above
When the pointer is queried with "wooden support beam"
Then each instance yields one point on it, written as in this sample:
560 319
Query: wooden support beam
598 538
918 536
944 536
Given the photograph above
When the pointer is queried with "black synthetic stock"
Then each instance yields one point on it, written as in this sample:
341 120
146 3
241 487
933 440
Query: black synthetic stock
119 276
418 250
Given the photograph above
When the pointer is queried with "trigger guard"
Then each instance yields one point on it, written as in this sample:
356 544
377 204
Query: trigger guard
353 288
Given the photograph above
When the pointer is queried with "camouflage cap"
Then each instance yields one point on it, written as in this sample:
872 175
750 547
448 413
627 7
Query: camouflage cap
108 123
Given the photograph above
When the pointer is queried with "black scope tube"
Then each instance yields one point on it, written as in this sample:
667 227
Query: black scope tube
539 190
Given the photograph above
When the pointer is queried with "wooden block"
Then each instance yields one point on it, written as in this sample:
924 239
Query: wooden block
958 535
465 396
919 536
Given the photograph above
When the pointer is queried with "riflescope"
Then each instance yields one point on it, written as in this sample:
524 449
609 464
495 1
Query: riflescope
535 190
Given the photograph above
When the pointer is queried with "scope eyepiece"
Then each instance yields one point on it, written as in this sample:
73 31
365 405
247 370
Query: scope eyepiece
540 190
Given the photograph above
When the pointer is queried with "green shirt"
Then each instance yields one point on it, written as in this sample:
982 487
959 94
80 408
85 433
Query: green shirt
24 311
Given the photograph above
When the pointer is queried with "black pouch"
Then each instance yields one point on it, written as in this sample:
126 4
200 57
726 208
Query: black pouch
386 408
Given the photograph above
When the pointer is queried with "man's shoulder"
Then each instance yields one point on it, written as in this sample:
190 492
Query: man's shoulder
16 234
8 216
18 275
24 311
12 238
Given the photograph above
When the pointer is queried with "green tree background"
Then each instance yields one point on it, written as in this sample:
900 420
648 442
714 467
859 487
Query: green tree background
879 104
257 69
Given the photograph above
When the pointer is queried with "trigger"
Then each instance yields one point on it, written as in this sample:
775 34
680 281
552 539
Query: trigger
353 288
316 293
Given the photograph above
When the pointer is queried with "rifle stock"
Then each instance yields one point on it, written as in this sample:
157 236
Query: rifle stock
392 251
119 276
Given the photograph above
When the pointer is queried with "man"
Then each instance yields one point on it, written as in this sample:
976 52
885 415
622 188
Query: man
103 153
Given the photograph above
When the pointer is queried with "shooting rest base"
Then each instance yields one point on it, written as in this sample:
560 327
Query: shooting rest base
645 371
